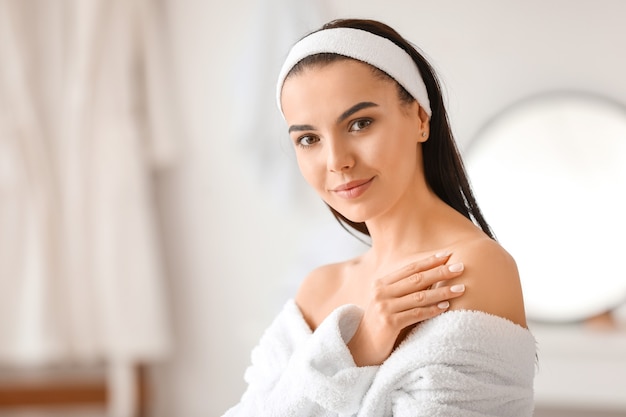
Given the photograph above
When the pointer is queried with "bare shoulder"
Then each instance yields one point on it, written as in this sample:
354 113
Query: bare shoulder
491 280
316 290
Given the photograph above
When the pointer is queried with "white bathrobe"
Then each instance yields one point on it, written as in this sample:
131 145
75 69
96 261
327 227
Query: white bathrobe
461 363
85 123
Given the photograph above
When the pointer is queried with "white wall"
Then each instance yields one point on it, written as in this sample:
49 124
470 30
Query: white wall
232 243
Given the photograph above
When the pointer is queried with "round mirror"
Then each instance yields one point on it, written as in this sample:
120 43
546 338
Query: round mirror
549 174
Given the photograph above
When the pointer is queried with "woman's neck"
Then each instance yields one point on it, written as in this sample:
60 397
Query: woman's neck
412 229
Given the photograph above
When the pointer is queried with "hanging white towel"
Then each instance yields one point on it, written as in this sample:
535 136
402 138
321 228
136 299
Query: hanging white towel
461 363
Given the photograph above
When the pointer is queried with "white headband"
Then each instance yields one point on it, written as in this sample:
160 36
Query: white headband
363 46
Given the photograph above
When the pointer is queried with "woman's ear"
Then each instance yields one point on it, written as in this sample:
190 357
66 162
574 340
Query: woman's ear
420 120
424 124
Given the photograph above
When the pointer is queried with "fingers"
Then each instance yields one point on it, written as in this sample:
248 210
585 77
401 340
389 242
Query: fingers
408 295
425 279
417 315
424 305
415 268
437 297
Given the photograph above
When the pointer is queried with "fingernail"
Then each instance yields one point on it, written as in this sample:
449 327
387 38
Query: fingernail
443 305
457 288
456 267
443 254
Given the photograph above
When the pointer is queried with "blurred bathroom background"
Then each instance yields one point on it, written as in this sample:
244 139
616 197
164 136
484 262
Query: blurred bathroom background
153 220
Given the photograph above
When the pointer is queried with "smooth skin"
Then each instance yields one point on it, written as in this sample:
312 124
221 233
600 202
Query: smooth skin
359 147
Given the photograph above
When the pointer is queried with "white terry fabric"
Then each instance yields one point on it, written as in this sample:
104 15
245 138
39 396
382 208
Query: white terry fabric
366 47
461 363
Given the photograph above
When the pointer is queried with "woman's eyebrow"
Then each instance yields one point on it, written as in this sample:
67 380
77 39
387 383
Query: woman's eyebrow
359 106
300 128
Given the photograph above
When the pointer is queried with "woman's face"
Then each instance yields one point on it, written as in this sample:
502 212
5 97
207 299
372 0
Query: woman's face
356 143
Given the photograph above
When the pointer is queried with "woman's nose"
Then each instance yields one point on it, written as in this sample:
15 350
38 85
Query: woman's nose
339 158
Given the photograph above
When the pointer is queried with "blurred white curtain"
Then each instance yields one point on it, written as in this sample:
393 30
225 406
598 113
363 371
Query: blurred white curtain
85 122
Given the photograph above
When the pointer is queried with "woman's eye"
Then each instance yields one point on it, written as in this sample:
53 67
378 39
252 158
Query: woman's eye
306 141
360 124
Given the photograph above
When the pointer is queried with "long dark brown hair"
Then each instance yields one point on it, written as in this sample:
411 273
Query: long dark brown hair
443 167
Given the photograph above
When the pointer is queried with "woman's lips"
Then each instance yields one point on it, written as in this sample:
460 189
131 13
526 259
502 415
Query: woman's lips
353 189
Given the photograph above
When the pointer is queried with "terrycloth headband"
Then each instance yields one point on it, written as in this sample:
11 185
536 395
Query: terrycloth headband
364 46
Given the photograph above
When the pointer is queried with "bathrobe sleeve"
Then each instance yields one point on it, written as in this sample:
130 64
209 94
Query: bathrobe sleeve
296 372
459 364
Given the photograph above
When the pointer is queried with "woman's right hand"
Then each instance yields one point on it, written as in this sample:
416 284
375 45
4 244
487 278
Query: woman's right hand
399 300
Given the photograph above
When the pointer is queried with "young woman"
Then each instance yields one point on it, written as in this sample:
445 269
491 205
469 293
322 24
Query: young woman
430 320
